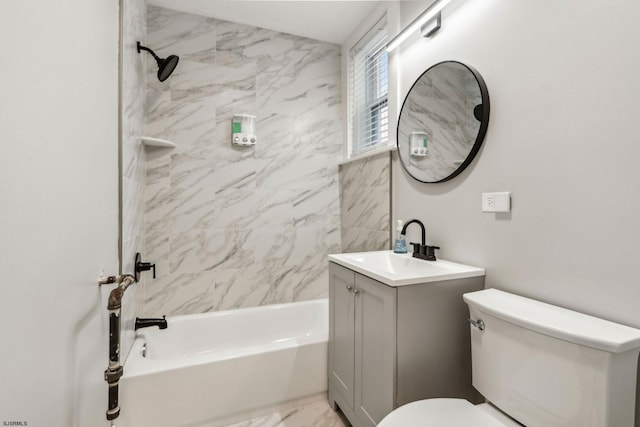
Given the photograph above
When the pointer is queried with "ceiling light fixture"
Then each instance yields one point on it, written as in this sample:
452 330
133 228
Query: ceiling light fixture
431 13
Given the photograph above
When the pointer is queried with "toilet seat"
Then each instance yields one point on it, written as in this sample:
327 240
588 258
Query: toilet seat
446 413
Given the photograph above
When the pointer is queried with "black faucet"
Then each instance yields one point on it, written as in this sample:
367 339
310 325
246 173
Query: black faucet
145 323
421 250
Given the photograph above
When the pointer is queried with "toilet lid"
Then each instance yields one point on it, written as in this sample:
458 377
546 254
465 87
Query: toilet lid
446 413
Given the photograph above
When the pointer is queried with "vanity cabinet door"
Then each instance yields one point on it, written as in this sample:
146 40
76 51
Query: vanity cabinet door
375 350
341 339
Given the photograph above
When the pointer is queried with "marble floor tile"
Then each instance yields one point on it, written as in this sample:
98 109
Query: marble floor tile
316 414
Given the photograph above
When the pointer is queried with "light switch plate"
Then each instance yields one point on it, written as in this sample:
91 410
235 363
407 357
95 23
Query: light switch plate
496 202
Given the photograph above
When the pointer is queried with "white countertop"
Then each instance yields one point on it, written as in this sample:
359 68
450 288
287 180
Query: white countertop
402 269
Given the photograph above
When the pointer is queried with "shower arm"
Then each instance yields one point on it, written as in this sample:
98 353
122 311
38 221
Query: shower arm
114 370
156 57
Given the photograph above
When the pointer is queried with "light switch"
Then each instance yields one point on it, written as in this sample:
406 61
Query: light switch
496 202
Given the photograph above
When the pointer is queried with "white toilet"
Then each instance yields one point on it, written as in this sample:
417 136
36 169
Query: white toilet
540 366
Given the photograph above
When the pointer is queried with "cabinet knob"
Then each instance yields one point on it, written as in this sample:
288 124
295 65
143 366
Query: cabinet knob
352 289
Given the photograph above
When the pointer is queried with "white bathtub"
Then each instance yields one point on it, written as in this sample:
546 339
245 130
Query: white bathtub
209 369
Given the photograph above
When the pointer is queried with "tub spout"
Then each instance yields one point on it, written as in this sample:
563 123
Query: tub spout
145 323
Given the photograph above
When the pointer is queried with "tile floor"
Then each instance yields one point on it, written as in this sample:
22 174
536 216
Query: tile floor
315 414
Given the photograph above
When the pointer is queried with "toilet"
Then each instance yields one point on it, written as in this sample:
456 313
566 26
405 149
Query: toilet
537 365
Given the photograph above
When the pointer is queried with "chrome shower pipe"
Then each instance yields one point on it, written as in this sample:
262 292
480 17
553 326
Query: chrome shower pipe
114 371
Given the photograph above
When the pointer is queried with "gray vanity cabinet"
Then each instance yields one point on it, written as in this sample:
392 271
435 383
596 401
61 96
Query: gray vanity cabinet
392 345
361 345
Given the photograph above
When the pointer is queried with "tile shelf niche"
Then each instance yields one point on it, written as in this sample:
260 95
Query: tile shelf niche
157 142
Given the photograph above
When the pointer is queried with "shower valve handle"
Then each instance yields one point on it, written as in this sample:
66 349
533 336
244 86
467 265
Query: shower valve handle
143 266
146 266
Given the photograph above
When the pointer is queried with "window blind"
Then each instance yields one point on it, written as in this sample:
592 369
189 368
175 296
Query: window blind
368 91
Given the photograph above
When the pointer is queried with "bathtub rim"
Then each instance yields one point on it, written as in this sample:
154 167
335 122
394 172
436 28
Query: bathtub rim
231 311
137 365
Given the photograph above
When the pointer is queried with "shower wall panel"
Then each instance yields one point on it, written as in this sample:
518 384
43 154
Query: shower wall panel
231 226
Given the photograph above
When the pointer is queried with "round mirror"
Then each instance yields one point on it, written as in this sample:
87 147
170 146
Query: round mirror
443 122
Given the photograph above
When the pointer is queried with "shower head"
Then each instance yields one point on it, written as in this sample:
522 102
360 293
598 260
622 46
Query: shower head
165 66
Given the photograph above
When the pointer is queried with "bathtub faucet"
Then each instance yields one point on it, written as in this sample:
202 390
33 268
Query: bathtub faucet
145 323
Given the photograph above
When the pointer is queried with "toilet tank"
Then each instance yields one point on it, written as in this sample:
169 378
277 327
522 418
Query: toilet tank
546 366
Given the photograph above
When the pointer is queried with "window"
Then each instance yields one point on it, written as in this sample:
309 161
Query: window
368 71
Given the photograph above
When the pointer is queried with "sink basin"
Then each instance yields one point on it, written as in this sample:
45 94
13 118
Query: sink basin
402 269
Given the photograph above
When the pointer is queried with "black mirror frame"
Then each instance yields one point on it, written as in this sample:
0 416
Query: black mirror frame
484 124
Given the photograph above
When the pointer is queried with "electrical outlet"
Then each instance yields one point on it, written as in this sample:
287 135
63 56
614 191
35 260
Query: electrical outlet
496 202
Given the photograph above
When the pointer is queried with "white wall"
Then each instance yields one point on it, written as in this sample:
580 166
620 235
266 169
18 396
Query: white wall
59 200
564 89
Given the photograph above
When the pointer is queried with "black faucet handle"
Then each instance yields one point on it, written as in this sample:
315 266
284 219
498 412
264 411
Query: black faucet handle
426 252
143 266
146 266
430 252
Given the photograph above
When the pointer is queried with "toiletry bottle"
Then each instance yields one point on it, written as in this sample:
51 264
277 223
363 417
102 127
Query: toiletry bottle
400 246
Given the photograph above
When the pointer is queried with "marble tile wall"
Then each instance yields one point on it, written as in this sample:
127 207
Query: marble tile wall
229 226
365 204
133 159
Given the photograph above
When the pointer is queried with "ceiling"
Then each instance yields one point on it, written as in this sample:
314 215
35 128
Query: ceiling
329 21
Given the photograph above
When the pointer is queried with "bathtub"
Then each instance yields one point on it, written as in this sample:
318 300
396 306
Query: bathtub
213 369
